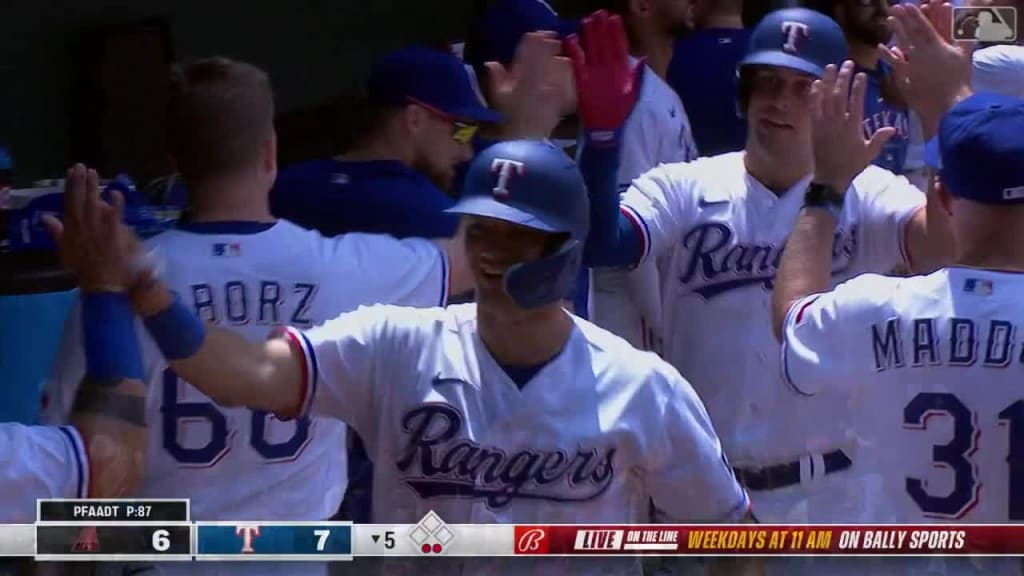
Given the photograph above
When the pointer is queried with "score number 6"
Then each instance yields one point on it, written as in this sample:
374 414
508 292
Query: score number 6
161 540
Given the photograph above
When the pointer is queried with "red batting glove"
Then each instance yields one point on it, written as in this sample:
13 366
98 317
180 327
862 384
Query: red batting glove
607 86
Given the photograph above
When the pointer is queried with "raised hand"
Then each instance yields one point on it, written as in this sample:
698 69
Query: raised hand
607 85
933 72
840 149
536 91
92 240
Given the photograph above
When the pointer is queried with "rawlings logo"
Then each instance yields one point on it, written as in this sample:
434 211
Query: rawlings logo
726 266
792 32
440 465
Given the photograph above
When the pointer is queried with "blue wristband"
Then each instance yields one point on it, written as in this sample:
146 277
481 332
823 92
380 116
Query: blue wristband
112 351
177 331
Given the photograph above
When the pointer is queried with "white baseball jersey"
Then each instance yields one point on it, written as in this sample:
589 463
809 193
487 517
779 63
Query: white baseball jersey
936 359
628 303
597 436
241 464
39 462
718 234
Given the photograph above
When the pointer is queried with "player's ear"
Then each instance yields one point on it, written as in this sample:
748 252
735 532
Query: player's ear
269 154
942 193
414 117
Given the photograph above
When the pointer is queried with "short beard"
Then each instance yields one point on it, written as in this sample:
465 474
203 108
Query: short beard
871 35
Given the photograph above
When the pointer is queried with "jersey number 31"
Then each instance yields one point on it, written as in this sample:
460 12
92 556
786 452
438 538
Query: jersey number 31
956 456
173 413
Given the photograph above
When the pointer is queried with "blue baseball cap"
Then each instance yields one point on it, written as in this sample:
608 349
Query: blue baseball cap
979 150
498 32
420 75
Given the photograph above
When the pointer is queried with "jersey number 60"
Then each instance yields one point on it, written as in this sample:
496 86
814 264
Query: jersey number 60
956 455
174 412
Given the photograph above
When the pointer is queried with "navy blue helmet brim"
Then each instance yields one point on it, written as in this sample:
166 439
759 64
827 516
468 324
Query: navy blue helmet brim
492 208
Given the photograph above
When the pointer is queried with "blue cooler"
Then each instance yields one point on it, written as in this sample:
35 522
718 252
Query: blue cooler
35 297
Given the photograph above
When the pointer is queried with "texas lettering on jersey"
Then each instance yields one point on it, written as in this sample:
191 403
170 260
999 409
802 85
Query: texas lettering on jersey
715 264
436 462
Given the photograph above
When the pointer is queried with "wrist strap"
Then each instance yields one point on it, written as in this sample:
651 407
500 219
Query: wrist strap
176 330
112 350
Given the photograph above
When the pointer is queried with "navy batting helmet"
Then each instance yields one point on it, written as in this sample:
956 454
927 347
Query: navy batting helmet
532 183
796 38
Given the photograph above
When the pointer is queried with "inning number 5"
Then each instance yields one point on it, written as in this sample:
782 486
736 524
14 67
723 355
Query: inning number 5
174 412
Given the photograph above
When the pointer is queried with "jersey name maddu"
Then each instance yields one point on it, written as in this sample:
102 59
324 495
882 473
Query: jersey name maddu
991 342
715 264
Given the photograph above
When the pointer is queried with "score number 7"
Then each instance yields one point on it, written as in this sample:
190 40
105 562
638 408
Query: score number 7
321 539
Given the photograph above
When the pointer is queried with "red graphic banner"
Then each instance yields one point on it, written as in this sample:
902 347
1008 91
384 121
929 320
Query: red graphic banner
771 540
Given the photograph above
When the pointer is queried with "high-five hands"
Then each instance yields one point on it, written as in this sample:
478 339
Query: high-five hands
933 71
607 85
92 240
840 149
536 90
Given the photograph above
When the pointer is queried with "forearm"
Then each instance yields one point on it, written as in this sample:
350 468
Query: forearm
806 266
109 409
223 364
111 418
613 241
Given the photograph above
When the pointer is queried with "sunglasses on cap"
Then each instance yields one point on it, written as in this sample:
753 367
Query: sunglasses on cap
462 132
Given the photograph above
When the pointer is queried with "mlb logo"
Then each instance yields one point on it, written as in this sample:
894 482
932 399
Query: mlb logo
988 24
977 286
224 249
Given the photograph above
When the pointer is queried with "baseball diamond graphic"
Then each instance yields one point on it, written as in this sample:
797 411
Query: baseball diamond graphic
431 535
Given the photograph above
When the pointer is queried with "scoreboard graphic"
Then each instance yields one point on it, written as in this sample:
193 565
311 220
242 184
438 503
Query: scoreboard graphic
163 530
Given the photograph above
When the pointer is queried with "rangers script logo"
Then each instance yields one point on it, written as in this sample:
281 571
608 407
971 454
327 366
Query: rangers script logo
531 541
436 463
716 262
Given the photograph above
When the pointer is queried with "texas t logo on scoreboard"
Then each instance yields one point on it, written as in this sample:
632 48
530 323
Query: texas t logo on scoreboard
248 532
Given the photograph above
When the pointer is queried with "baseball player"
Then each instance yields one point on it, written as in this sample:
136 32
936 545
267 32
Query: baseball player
420 115
934 357
894 427
657 131
238 267
716 228
508 410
